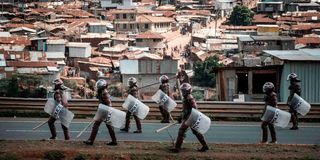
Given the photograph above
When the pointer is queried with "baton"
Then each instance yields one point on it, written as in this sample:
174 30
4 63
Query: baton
41 124
85 129
166 127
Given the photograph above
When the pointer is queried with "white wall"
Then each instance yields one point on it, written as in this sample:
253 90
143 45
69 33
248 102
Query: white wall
80 52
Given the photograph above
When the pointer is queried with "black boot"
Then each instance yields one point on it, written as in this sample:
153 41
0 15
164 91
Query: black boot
93 134
65 132
127 126
112 135
52 128
138 123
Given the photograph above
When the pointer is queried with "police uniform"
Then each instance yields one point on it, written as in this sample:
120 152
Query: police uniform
133 90
165 114
104 98
187 104
294 88
270 99
64 102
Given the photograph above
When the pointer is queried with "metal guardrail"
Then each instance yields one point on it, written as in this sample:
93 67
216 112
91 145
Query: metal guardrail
212 109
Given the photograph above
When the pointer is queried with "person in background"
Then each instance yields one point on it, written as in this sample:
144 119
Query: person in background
270 99
294 88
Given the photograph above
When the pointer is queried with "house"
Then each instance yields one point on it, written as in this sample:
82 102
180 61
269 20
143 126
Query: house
56 45
258 43
296 7
270 6
305 63
154 41
116 4
134 22
22 31
247 81
38 44
78 50
225 6
97 27
147 68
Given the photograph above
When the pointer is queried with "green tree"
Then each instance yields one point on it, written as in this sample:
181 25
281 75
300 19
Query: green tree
241 16
202 75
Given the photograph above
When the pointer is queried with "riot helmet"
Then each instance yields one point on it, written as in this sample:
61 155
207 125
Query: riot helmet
164 79
185 89
293 77
132 81
268 87
101 84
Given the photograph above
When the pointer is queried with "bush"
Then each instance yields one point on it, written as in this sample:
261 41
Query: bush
81 157
198 95
8 156
54 155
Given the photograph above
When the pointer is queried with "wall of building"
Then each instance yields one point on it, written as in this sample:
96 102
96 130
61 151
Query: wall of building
56 48
309 73
81 52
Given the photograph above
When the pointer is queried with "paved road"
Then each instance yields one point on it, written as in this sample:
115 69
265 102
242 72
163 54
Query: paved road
220 132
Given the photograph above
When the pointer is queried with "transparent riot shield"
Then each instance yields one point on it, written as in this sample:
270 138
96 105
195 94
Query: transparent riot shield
276 116
300 105
136 107
111 116
198 121
57 111
163 99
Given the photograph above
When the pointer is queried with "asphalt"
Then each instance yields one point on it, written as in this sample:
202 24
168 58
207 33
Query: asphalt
219 132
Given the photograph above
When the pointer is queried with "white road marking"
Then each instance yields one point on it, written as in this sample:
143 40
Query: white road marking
42 131
161 124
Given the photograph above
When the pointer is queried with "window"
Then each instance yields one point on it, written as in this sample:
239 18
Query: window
146 26
124 16
117 16
131 26
258 80
131 16
124 26
139 40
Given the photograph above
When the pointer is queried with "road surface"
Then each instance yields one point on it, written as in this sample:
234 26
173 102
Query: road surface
220 132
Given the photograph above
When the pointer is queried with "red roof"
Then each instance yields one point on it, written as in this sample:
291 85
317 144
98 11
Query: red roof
238 27
149 35
308 40
15 40
31 64
16 25
261 18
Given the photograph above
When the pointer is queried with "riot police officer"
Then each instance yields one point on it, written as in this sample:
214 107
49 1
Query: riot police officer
187 104
133 90
294 88
104 98
270 99
164 87
59 98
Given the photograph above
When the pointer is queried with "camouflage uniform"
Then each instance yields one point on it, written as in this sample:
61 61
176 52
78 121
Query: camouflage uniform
165 114
104 98
64 102
294 88
187 105
133 90
270 99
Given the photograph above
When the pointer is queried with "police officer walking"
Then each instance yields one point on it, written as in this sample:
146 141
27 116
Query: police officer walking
187 104
61 98
164 87
104 98
133 90
270 99
294 88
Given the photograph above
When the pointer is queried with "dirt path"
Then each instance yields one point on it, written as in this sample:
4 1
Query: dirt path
141 150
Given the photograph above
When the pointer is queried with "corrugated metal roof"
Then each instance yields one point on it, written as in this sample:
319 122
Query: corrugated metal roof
296 55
